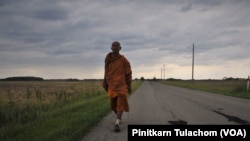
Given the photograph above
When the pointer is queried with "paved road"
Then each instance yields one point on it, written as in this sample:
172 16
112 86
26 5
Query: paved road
155 103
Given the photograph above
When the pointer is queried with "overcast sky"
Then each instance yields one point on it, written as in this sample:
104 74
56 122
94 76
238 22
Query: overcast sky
58 39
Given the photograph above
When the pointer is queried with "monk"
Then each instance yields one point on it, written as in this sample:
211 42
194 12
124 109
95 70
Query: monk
117 82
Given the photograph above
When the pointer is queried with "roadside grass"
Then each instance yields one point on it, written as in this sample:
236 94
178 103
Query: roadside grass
51 111
63 123
236 88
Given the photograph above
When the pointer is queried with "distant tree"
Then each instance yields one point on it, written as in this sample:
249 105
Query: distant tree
173 79
72 79
23 78
142 78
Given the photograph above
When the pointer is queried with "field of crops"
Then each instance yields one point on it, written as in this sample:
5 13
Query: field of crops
42 94
51 110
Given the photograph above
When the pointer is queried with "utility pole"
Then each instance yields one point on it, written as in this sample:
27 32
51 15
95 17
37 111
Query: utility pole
164 71
193 65
161 72
248 80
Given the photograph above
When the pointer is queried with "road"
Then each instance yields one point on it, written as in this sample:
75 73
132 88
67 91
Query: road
156 103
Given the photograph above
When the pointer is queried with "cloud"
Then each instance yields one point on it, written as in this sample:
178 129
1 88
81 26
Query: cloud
73 37
51 14
186 7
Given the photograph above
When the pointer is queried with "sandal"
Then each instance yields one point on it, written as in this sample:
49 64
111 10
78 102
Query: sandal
117 128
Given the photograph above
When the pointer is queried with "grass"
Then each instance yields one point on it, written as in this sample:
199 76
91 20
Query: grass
236 88
51 110
63 123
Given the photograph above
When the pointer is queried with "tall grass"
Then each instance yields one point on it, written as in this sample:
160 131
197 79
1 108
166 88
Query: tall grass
51 110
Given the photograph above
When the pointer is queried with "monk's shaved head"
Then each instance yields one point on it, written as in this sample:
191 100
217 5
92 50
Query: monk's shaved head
116 47
116 43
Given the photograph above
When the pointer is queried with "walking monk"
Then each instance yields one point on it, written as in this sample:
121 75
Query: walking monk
117 81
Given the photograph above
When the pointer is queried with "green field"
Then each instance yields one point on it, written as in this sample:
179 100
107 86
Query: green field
51 110
237 88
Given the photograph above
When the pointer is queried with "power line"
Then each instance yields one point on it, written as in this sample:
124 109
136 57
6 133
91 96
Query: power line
223 24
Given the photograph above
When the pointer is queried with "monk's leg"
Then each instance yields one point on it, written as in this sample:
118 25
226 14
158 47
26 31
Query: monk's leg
118 117
122 105
113 104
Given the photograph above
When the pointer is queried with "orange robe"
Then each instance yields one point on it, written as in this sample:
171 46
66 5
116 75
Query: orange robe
117 78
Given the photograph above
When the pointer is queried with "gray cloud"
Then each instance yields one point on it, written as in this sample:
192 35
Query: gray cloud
186 7
76 35
51 14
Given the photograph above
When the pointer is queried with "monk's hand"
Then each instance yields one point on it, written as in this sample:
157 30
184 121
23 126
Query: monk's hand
129 89
106 88
105 85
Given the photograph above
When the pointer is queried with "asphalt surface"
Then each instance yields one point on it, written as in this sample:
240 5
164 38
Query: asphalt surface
155 103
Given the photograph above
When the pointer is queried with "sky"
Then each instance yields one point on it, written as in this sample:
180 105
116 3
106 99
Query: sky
61 39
